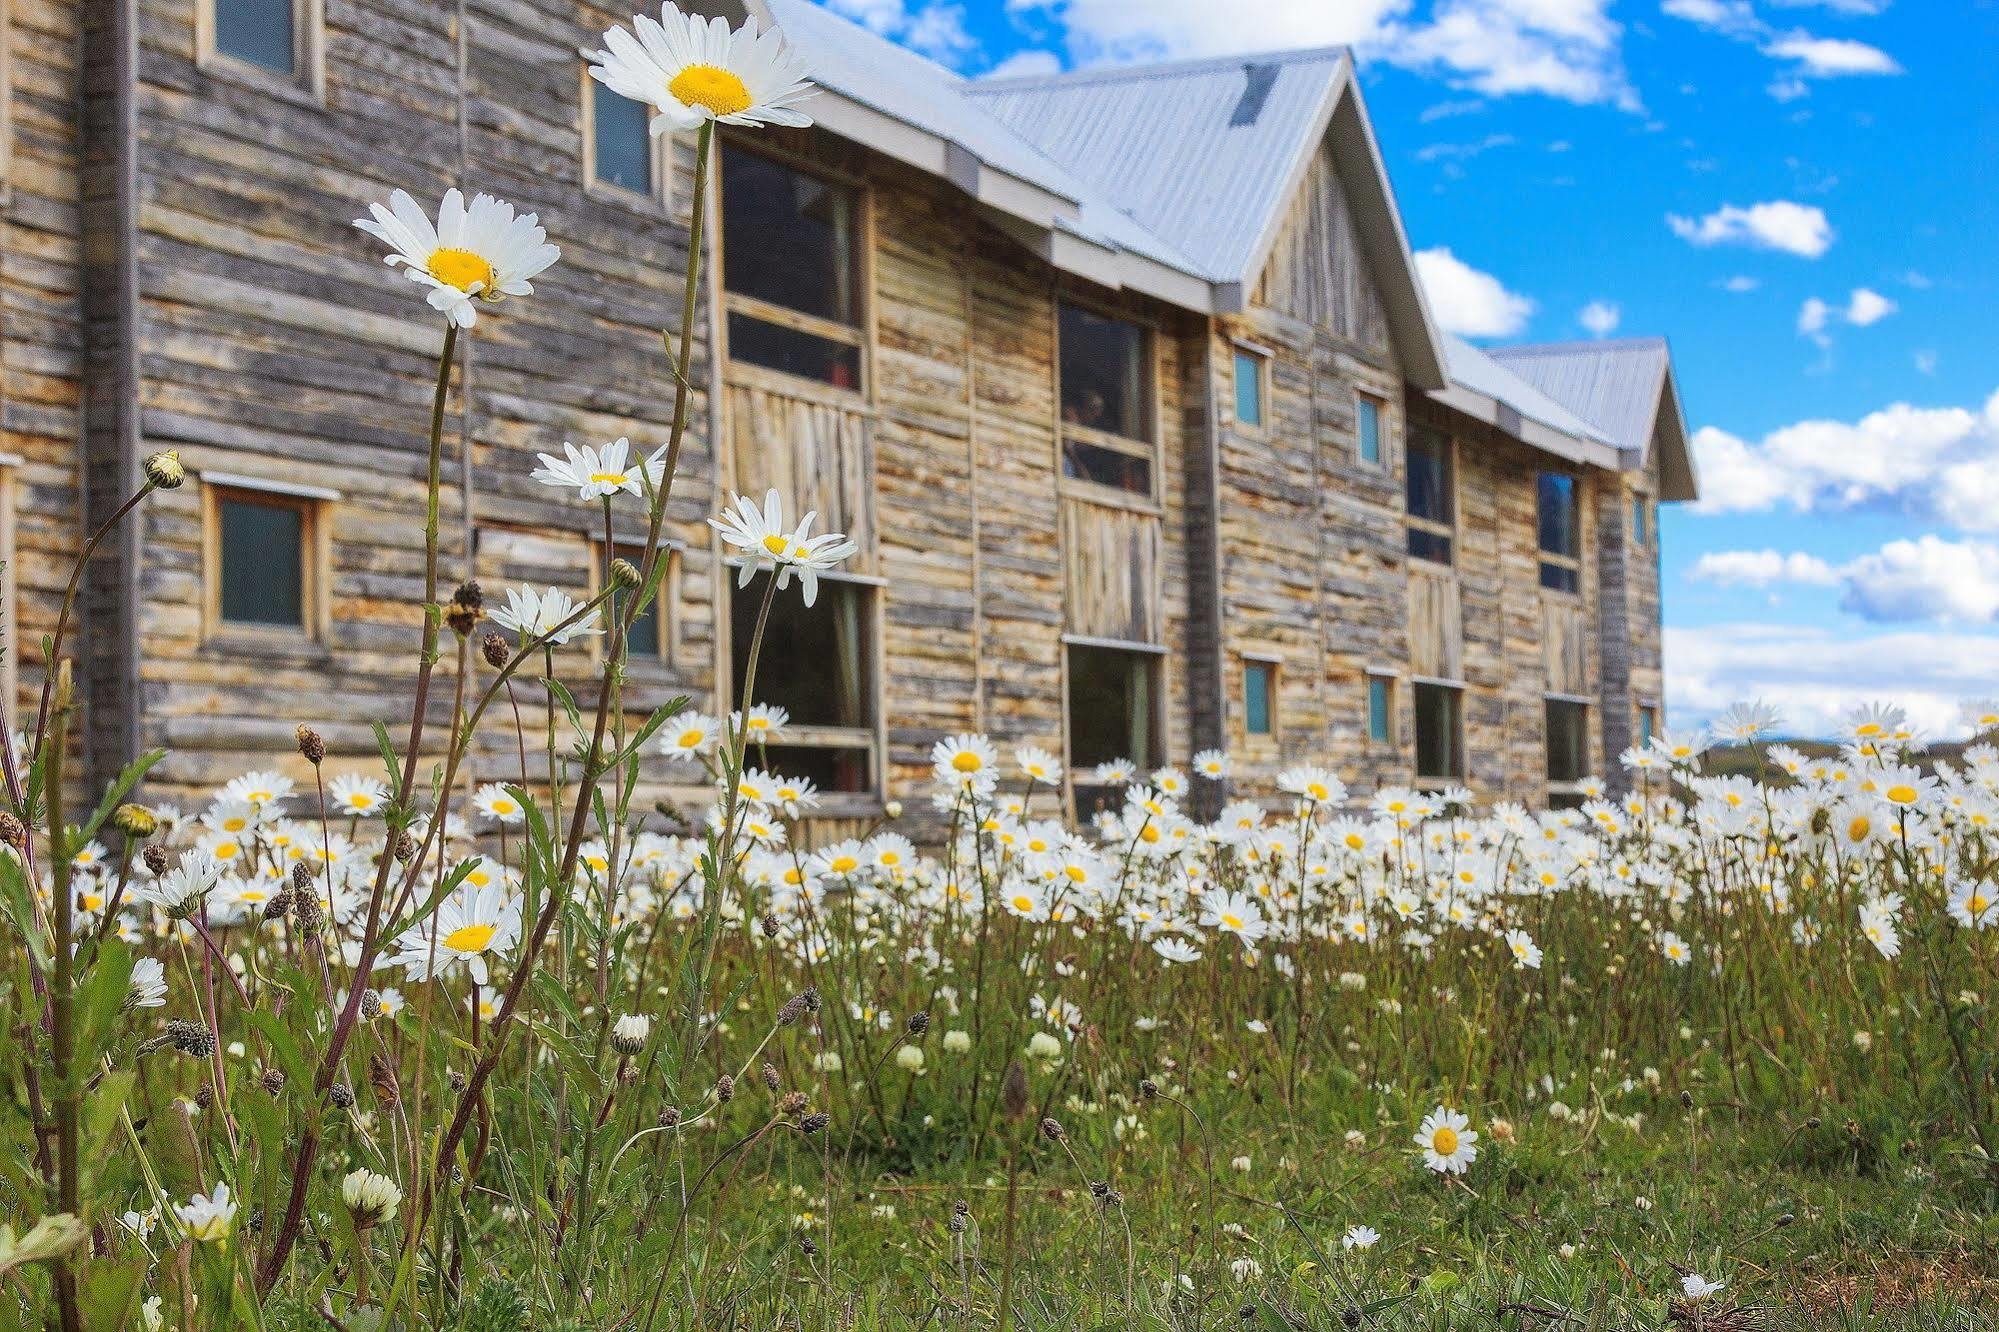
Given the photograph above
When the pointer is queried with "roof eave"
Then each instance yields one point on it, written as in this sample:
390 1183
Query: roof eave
1535 434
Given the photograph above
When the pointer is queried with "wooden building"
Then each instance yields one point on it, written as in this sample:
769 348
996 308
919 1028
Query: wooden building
1122 380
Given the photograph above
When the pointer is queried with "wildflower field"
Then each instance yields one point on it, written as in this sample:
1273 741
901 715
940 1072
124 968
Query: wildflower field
375 1049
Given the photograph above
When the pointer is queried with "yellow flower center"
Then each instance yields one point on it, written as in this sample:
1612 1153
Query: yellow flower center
1444 1141
966 761
844 865
608 478
460 268
1077 874
1976 903
718 91
469 938
776 545
503 806
1023 903
1902 795
1231 921
1857 830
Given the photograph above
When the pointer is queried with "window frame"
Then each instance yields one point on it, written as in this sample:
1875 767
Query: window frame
1644 520
312 503
1456 691
871 737
1154 657
1258 357
1553 559
659 155
307 80
1411 522
1273 667
1145 450
1646 724
1362 398
1565 786
1387 681
860 335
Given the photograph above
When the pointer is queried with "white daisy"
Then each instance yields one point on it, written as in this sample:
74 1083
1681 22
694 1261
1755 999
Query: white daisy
597 472
765 544
534 615
207 1219
496 802
692 69
468 926
354 794
479 253
1446 1142
689 735
148 986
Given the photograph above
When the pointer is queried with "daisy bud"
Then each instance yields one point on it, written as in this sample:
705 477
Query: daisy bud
312 745
892 810
624 574
164 470
371 1198
725 1089
135 821
12 831
628 1037
494 649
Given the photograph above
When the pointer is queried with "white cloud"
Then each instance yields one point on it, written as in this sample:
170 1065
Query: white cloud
1927 578
1815 674
1780 224
1027 63
1460 151
1942 461
1867 306
1123 31
1850 7
877 16
1740 283
1469 302
1926 361
1831 57
1732 17
1761 568
1813 316
1601 318
936 30
1444 110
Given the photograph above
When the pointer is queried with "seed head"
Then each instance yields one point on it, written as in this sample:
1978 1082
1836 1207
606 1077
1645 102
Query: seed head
341 1095
791 1103
463 612
813 1123
274 1081
794 1008
770 927
810 994
918 1023
311 744
12 831
371 1004
669 1117
1051 1129
770 1077
1013 1091
164 470
725 1089
1148 1089
278 905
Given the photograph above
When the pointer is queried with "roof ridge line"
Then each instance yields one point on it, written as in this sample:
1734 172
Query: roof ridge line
1158 69
1578 344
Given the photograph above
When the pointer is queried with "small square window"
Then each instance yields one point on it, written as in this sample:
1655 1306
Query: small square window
1259 697
791 269
262 32
1439 732
1380 709
1367 429
1249 390
263 574
621 141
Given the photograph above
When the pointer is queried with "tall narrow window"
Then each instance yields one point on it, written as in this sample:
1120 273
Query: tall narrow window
1561 533
1380 709
1249 389
789 266
651 629
1259 697
1641 522
1568 747
1106 394
1648 724
1112 702
830 688
621 142
1439 732
1367 429
264 33
1432 501
262 572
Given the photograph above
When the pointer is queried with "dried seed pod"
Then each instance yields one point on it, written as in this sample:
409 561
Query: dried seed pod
770 1078
725 1089
341 1096
1051 1129
154 857
791 1103
12 831
273 1081
815 1122
494 649
918 1023
312 745
1013 1091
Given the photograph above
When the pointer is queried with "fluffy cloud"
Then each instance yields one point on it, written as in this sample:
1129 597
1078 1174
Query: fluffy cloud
1027 63
1813 316
1467 301
1867 306
1803 55
1601 318
1831 57
1780 224
936 29
1816 675
1942 461
1863 308
1735 18
1761 568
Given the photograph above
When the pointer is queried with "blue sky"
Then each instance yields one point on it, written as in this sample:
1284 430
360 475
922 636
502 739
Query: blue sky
1800 194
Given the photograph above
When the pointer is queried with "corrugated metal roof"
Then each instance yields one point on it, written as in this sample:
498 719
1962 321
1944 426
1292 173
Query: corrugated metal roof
1612 385
1201 153
1482 372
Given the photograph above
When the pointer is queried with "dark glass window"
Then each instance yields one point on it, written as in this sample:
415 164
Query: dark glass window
1367 428
1648 725
835 636
1380 719
793 351
648 634
1430 496
1641 525
1561 533
1110 706
1439 739
262 32
788 238
1568 741
1105 385
621 141
1106 467
1259 704
1248 390
262 562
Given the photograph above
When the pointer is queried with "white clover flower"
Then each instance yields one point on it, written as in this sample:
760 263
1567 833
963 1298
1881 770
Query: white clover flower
371 1199
1360 1237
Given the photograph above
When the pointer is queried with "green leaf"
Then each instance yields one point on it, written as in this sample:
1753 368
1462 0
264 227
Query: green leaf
18 902
114 795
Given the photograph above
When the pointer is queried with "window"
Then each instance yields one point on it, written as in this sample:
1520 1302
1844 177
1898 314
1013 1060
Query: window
1568 745
1641 522
1380 709
1648 724
831 736
1431 497
1249 389
1259 697
1367 429
618 140
275 38
1106 393
652 631
1111 706
1439 732
262 557
1561 533
789 266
